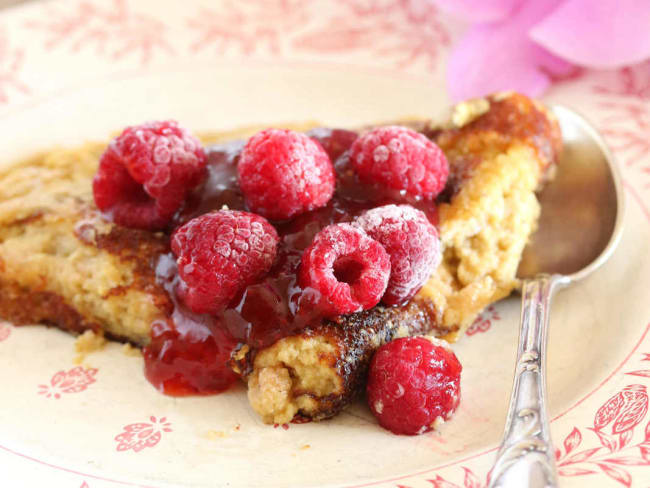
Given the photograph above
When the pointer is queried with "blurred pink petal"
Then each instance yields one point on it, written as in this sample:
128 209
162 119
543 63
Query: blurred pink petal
597 34
501 56
478 10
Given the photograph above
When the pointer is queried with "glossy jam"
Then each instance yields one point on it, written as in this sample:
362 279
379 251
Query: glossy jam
189 353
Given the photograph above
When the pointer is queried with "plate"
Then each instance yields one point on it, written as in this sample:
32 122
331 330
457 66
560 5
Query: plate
78 69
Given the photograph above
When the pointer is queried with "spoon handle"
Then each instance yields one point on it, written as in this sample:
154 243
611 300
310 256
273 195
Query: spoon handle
526 457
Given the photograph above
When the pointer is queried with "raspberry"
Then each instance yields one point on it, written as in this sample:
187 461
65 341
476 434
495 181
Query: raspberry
413 384
411 242
284 173
146 173
219 254
401 159
345 268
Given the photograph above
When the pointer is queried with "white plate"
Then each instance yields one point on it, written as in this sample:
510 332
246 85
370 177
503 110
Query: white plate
68 74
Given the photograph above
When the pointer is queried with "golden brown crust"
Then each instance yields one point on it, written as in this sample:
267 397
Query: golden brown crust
497 159
137 248
22 307
316 373
62 263
510 118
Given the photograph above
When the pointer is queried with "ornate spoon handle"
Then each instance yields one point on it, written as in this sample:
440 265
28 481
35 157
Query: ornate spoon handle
526 457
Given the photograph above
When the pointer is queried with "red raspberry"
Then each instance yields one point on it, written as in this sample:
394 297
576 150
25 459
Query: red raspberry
284 173
219 254
411 242
413 384
347 270
401 159
146 172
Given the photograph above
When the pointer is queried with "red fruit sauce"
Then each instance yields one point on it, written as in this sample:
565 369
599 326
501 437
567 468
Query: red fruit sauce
188 353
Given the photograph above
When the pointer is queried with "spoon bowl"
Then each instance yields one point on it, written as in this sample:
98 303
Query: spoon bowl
580 226
582 206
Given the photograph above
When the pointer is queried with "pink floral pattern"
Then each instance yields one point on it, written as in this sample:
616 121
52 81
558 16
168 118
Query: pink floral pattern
614 426
141 435
470 480
74 380
112 28
404 34
5 331
617 443
627 125
403 31
632 82
484 321
622 412
11 63
247 27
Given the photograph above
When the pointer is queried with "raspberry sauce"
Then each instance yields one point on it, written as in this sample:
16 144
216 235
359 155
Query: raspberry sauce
189 353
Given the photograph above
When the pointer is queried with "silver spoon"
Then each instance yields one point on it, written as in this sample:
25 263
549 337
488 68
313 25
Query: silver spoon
579 228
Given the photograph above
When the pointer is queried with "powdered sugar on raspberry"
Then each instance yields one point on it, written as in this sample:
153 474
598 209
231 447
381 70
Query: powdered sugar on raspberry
438 342
146 173
219 254
284 173
411 242
401 159
344 270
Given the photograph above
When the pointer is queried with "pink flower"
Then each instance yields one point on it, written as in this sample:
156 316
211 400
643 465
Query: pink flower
524 45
